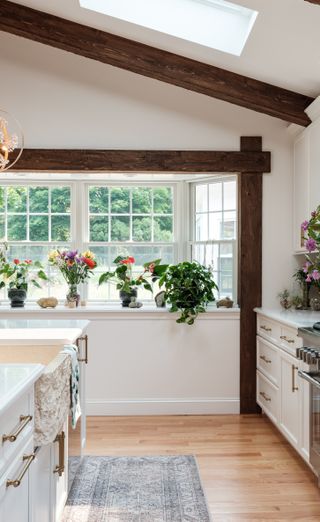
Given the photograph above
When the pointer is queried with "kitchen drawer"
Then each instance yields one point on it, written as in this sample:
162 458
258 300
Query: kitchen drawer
16 421
289 339
268 397
268 360
268 329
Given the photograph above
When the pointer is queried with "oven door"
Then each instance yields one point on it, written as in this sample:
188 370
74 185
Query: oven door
314 381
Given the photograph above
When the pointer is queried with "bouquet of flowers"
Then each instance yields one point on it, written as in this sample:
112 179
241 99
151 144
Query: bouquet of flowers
123 276
311 229
18 274
76 268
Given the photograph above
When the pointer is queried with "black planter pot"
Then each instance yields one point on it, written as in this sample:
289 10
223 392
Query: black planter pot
17 297
126 297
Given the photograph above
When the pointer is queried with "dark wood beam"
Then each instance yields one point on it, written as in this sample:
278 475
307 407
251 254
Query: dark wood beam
317 2
74 160
153 63
250 274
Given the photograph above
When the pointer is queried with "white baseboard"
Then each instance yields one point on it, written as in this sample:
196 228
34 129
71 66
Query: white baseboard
162 407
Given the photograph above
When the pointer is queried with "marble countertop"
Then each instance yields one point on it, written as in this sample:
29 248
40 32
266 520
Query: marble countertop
294 318
37 332
15 379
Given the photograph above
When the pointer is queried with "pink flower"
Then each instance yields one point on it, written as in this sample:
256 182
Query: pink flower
308 279
311 244
306 267
305 225
315 275
314 213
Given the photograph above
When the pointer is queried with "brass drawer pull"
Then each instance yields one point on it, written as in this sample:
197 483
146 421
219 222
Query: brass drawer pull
16 483
85 339
265 396
60 438
265 328
24 420
263 357
294 387
285 338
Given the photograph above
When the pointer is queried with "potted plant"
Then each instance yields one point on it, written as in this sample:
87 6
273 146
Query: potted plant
76 268
189 287
127 282
311 267
17 275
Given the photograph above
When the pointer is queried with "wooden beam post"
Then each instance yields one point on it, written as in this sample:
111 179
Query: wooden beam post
250 274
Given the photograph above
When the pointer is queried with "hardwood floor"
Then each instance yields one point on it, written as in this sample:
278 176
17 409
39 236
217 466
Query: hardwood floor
248 470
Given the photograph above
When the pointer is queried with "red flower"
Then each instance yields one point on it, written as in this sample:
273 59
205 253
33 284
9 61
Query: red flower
128 261
16 261
28 261
90 262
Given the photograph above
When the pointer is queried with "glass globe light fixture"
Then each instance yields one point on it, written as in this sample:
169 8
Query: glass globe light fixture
11 140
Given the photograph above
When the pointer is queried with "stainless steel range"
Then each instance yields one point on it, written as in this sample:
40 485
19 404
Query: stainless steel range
310 354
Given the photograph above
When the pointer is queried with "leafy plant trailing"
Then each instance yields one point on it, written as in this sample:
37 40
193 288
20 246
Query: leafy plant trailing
188 288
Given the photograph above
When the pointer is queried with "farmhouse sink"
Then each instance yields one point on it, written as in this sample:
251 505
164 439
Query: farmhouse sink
52 389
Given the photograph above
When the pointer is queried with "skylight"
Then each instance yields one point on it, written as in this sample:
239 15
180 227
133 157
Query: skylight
216 24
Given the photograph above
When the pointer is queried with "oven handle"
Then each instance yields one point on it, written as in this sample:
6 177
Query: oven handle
308 378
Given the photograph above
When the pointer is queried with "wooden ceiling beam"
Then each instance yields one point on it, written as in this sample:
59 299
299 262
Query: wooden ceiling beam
73 161
153 63
317 2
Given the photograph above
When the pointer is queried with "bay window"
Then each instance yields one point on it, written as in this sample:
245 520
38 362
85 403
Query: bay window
172 219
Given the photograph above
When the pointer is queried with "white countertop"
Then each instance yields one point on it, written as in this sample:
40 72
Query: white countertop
294 318
38 332
15 379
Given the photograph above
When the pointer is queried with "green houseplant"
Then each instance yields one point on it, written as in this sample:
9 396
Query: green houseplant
189 287
17 275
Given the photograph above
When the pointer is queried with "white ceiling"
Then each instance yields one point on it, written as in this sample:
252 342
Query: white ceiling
283 48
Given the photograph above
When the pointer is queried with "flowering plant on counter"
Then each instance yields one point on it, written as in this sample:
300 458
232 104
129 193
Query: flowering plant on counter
125 278
76 268
311 267
18 274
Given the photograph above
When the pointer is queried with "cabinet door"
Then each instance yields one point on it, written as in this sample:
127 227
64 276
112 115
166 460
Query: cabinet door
59 472
304 391
314 199
289 399
301 203
41 485
14 501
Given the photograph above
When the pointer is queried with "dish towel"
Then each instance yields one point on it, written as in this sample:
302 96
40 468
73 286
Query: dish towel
75 408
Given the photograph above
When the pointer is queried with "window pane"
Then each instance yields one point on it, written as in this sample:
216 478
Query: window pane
162 200
120 201
99 200
163 228
201 198
2 195
60 228
60 200
230 195
99 228
202 227
2 228
215 226
141 229
141 200
215 196
38 199
120 228
17 228
229 226
102 256
38 228
17 199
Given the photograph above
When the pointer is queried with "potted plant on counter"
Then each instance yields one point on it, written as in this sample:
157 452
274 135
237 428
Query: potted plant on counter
76 268
17 275
189 288
127 281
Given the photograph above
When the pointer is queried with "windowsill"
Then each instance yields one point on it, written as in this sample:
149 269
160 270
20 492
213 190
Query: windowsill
113 310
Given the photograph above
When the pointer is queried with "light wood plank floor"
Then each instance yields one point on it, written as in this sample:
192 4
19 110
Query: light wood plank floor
248 471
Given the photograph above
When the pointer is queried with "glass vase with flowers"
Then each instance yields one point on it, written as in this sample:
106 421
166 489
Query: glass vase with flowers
311 267
75 268
128 281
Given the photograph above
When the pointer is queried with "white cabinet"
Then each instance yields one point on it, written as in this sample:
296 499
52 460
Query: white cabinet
289 398
281 393
41 485
306 179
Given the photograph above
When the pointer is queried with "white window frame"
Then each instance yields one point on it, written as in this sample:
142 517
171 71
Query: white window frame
192 231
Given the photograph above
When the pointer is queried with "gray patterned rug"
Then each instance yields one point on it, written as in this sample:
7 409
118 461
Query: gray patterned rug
137 489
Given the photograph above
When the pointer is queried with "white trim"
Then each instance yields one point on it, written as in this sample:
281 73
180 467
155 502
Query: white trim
313 111
201 406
